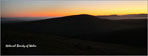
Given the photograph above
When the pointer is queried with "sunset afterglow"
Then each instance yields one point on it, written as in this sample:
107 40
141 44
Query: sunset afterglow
47 8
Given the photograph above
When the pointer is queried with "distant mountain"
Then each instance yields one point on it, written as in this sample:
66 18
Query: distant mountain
10 20
70 24
120 17
137 15
20 19
88 27
81 24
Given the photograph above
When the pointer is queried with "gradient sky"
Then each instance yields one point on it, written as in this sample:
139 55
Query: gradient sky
47 8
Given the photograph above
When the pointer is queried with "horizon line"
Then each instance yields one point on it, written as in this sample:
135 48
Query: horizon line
71 15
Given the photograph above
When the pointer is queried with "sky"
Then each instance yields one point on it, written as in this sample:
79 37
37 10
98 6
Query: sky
52 8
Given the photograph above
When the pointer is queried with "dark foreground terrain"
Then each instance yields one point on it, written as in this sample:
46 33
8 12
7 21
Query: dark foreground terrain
77 34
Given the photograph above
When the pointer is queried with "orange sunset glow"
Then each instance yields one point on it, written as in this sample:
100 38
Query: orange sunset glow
32 8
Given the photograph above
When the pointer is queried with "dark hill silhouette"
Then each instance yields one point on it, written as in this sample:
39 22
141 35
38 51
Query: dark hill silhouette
69 24
77 34
82 18
87 27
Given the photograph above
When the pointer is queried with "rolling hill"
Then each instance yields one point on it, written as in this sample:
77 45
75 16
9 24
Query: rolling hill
82 29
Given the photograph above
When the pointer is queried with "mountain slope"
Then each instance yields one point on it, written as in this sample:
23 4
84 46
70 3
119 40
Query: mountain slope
57 45
77 34
88 27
